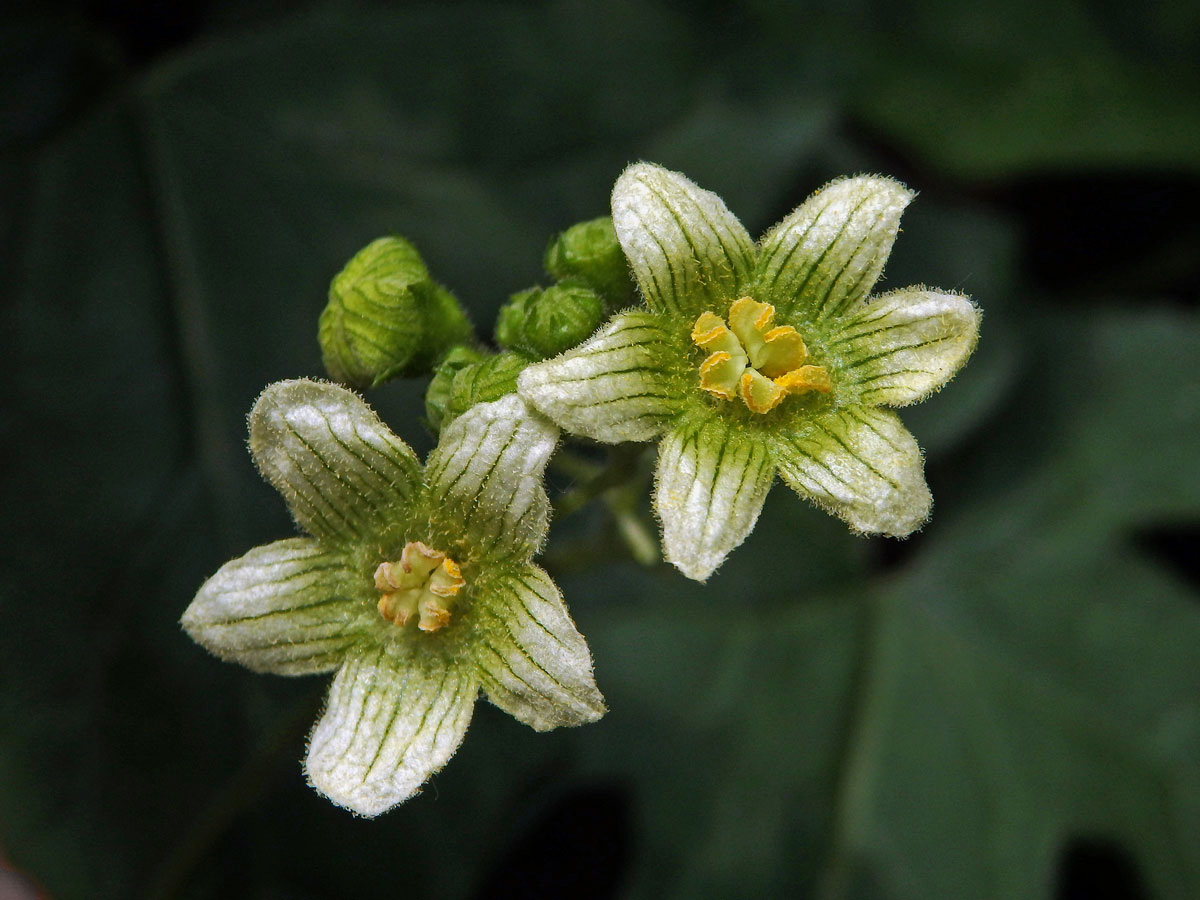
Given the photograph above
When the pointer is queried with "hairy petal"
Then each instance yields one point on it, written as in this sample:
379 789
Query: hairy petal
862 465
711 483
619 385
486 476
902 346
390 722
687 250
292 608
533 662
828 253
344 474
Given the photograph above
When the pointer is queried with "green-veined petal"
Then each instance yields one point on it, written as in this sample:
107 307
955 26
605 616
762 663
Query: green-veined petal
711 483
486 476
390 722
619 385
900 347
344 474
861 464
292 607
533 662
829 252
688 252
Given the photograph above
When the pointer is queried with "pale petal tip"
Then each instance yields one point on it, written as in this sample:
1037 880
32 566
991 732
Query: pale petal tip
367 799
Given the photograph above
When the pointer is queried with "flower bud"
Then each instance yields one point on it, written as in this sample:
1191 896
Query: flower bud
544 323
460 382
441 387
590 252
386 316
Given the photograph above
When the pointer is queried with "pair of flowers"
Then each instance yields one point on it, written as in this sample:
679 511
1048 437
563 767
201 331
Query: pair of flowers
416 584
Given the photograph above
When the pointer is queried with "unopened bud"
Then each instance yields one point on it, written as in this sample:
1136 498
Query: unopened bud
544 323
481 381
590 252
386 316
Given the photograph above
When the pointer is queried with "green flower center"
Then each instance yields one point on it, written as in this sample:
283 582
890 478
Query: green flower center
422 584
749 358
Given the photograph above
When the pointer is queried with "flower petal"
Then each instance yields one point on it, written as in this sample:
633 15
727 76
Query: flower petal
533 662
344 474
829 252
711 483
291 607
390 722
901 347
688 251
618 385
486 476
862 465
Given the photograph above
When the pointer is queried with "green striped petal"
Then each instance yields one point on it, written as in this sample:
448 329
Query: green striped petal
687 250
827 255
344 474
390 722
711 484
616 386
291 607
902 346
533 662
862 465
486 477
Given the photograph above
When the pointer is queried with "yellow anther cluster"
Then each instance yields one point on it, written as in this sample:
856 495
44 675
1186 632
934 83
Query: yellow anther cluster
421 584
748 358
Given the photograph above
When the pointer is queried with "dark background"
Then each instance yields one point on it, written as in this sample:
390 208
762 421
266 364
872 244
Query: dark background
1005 706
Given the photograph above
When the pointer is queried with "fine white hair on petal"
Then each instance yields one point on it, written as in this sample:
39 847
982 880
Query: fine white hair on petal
686 249
829 252
711 486
486 475
388 725
614 387
862 465
534 663
902 346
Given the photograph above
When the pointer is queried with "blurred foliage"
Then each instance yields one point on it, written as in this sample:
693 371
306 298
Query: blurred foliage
1007 705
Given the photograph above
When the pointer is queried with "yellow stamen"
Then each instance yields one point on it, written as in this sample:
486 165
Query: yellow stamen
420 584
760 394
720 372
751 359
805 378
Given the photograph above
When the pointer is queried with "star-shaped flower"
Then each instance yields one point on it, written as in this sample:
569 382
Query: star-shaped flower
751 359
415 585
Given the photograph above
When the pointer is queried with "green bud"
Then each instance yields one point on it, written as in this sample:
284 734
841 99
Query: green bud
387 317
590 252
482 381
510 321
441 387
544 323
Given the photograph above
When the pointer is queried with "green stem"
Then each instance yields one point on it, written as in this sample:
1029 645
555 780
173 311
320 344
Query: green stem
620 467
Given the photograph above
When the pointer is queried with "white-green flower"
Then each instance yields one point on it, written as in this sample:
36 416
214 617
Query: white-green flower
415 584
751 359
